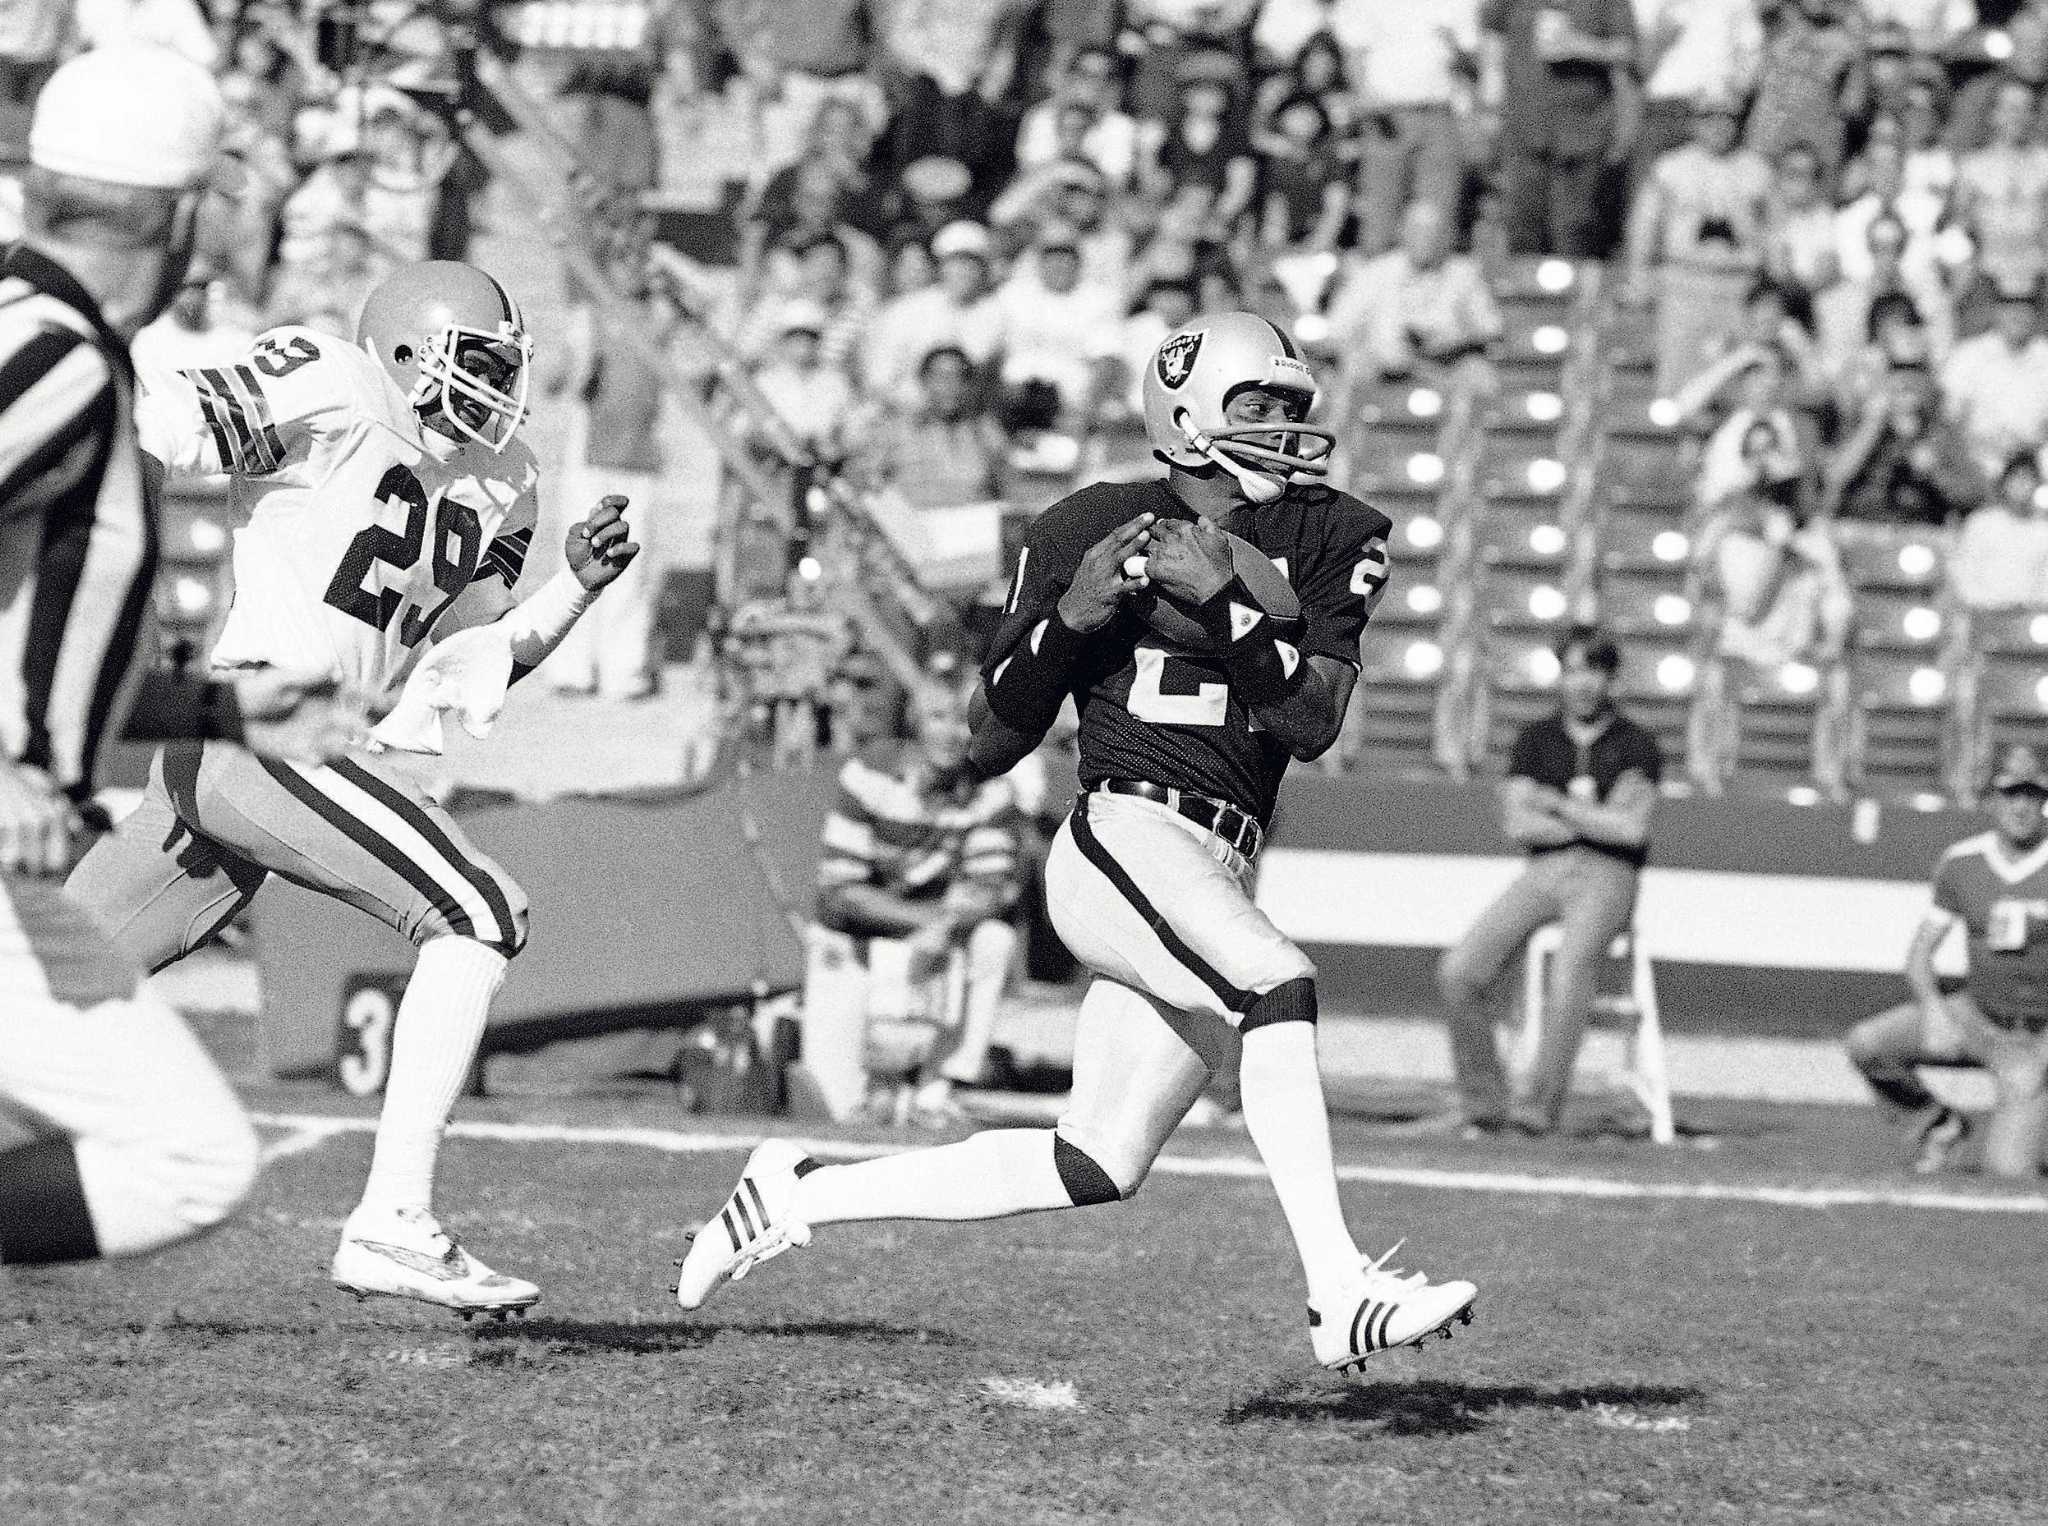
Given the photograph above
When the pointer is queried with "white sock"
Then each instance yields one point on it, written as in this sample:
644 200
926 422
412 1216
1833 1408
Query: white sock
440 1023
1289 1122
989 1175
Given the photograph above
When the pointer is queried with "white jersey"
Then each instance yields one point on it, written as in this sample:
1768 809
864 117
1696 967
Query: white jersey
360 528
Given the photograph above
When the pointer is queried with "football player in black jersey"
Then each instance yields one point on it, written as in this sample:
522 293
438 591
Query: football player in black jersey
1183 741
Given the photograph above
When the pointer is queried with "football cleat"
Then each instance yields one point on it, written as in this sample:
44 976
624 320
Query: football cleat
1939 1140
755 1225
405 1253
1380 1309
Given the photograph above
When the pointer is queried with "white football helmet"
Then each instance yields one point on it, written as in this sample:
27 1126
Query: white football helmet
1194 374
455 342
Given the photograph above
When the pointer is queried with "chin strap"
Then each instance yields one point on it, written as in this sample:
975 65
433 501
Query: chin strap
1259 487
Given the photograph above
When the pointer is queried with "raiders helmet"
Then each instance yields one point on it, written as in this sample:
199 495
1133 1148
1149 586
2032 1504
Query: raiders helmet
1193 376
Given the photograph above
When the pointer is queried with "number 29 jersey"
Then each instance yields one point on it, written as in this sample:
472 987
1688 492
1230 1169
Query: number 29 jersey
358 528
1155 711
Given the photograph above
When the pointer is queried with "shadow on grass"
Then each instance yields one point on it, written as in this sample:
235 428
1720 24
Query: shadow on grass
1437 1407
688 1335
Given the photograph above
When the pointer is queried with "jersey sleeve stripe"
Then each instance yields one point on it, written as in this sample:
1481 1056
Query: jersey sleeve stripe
506 558
239 416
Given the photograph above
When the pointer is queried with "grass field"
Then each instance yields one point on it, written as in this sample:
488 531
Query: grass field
1687 1358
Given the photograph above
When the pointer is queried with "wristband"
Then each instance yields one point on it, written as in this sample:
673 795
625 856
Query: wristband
538 625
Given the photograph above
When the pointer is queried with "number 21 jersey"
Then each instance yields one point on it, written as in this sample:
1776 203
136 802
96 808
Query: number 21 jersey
359 528
1153 711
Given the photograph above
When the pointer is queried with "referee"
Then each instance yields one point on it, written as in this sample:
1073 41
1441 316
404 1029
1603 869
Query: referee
136 1140
1580 791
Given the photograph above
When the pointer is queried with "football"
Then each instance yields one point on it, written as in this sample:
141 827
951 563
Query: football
1179 623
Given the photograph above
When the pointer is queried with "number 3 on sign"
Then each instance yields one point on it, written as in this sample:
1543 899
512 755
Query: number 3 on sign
1207 706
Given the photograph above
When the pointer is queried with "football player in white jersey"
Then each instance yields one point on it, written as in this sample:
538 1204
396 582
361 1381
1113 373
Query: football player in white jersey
389 503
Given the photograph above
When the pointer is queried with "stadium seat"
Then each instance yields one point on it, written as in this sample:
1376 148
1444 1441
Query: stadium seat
1512 535
1523 411
1645 538
2019 633
1520 466
1898 620
1649 470
1518 685
1634 410
1659 677
1393 717
2011 704
1780 744
194 586
1396 458
1532 351
1646 601
1899 724
1884 556
1519 598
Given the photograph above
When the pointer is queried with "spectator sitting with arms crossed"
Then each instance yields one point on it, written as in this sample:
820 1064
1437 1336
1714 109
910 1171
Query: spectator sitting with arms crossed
920 866
1580 792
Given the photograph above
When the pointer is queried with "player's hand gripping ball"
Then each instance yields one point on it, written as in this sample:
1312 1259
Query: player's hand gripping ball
1185 563
597 548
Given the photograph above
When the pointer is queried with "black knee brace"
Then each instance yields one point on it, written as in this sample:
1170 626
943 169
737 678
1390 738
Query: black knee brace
1086 1182
1294 1002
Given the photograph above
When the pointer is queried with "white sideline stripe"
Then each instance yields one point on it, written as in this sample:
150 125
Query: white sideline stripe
1514 1183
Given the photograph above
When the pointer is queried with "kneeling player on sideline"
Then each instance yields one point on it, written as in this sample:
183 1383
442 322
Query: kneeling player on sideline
1183 744
1996 886
387 501
134 1139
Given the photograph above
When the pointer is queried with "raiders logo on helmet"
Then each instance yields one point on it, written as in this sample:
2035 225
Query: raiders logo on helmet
1177 358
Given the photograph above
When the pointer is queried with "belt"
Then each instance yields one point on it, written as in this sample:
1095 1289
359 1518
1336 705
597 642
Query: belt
1240 829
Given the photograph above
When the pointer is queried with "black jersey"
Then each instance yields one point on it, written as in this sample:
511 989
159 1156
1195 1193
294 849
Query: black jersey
1151 710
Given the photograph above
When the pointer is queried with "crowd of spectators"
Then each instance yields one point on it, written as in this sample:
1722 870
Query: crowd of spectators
946 235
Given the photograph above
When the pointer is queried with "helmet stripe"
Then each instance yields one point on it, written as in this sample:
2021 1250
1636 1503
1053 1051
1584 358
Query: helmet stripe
505 297
1286 345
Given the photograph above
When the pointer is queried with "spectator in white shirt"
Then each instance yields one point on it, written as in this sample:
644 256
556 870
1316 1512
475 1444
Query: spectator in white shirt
1799 223
1842 312
1108 137
957 311
814 399
2001 193
1692 49
2001 555
1995 386
1418 310
1057 334
1918 211
1410 60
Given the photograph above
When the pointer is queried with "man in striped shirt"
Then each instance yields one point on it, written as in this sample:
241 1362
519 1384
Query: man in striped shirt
918 870
135 1140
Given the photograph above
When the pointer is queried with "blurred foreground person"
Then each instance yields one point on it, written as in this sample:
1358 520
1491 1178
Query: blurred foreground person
1995 886
134 1140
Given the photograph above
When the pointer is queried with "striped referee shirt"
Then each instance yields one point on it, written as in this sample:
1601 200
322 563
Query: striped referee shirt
78 536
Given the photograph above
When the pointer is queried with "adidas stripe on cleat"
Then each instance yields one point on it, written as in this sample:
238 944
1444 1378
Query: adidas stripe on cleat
1380 1309
755 1224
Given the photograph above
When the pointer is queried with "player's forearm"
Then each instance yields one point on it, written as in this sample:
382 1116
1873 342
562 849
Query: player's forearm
1307 720
879 911
540 624
1920 976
